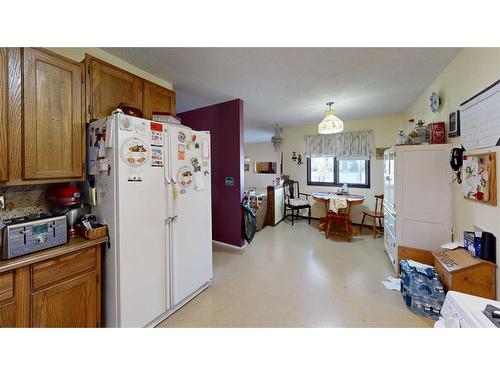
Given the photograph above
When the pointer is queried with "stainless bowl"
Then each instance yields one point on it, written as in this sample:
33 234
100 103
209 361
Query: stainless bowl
73 215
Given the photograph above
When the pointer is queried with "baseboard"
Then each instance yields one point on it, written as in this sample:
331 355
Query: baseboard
229 246
165 315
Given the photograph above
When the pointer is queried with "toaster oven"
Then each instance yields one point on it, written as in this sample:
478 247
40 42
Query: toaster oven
27 234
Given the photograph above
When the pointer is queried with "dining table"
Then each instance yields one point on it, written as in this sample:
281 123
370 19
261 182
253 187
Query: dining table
324 197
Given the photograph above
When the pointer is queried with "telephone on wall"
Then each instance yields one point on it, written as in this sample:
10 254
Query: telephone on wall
456 161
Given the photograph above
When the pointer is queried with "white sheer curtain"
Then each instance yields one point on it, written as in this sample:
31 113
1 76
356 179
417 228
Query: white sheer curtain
347 145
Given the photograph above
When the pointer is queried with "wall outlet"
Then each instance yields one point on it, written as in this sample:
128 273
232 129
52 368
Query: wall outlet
2 202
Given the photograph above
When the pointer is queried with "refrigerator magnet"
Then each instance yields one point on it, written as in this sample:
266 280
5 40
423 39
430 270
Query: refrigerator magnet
196 145
135 174
156 157
196 164
184 177
125 124
181 137
140 129
156 134
181 152
134 152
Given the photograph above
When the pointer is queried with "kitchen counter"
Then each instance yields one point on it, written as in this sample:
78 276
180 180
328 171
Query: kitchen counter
75 243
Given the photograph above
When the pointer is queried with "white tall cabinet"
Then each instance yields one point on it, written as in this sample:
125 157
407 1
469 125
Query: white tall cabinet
418 193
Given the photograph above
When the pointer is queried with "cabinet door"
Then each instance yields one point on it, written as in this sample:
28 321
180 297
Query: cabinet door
14 298
157 99
53 128
111 86
4 97
72 303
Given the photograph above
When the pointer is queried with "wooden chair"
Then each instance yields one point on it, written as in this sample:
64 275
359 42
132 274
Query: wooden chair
294 203
340 223
377 215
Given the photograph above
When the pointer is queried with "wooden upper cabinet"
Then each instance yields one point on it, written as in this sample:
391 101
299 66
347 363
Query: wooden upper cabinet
157 99
53 126
4 98
108 87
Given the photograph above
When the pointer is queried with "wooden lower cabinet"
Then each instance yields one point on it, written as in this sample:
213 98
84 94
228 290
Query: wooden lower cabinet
71 303
63 292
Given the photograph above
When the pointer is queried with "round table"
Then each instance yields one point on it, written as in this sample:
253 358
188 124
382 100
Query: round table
353 200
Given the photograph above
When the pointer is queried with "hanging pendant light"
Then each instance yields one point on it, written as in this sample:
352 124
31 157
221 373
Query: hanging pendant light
277 139
330 124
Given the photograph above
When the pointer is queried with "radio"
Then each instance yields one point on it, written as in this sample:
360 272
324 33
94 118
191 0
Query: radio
27 234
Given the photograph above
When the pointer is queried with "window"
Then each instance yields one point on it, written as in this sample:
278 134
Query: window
330 171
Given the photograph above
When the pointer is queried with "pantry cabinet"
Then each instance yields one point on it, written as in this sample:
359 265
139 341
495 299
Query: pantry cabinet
157 99
108 86
42 133
58 291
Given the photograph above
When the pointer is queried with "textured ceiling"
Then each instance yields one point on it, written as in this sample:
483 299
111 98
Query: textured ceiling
290 86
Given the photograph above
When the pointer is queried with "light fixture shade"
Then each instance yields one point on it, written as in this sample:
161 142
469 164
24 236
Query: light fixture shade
330 124
277 139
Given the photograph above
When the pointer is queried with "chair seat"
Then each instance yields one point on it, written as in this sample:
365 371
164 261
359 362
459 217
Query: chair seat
298 202
374 214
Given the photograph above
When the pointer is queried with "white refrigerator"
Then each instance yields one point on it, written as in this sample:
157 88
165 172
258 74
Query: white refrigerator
153 190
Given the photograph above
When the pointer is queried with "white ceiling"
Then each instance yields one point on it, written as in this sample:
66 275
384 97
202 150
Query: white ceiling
291 85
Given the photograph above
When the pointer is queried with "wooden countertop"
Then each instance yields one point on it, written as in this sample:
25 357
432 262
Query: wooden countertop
75 243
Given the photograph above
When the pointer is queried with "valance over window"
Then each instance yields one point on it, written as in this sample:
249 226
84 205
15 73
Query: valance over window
354 145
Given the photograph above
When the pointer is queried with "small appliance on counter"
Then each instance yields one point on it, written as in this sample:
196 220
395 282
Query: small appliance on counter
27 234
65 200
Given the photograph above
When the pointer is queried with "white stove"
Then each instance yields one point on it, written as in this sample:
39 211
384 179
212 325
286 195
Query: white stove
465 311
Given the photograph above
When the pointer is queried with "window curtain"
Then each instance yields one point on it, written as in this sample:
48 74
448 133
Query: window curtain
345 145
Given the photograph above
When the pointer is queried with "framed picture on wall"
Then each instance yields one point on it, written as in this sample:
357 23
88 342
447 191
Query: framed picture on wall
247 167
479 177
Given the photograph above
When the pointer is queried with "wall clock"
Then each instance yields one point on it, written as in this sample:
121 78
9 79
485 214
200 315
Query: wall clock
434 102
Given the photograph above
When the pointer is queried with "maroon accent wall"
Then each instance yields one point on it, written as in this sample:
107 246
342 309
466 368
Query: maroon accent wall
225 123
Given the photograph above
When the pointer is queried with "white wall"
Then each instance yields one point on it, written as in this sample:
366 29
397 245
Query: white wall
260 152
385 133
472 70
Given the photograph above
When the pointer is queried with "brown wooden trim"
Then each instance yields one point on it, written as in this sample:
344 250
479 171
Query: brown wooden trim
418 255
4 105
74 244
15 113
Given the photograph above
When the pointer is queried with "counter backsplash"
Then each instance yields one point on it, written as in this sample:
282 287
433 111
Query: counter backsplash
23 200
